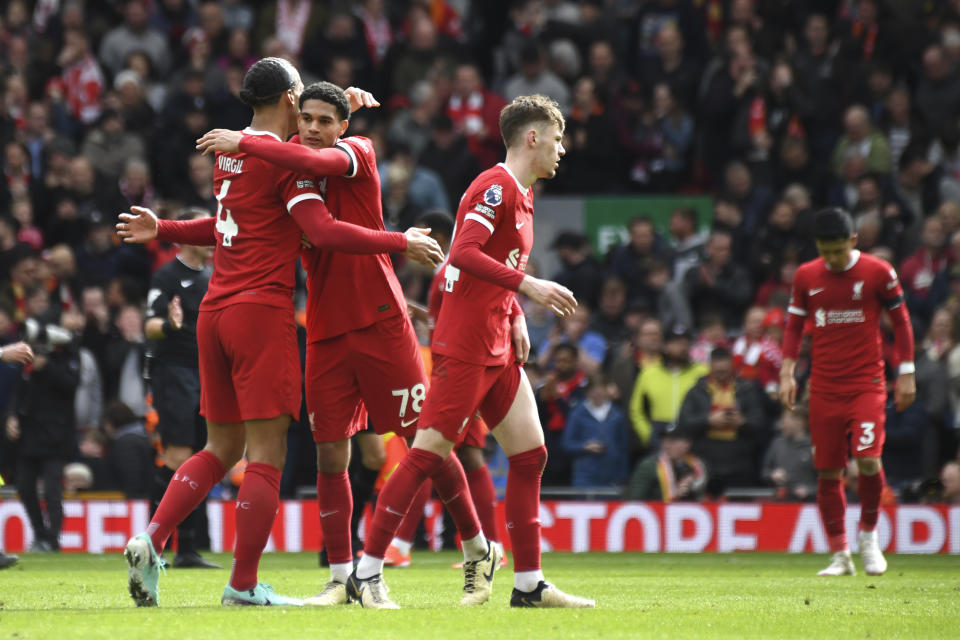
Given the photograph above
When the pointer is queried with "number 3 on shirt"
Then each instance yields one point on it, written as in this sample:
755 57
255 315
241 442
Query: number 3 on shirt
225 225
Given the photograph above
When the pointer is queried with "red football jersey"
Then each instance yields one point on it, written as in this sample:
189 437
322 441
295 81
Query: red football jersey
474 321
350 291
845 310
257 240
435 296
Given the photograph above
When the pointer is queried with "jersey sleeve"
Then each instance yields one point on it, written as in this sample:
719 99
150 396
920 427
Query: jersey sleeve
294 156
888 287
798 296
363 157
485 206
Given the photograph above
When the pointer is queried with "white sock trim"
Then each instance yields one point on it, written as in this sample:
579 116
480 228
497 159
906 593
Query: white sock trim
475 548
527 580
369 567
341 571
403 546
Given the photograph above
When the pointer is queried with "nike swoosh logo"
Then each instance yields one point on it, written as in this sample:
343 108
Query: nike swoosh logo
394 511
489 576
863 447
520 224
186 283
407 423
814 292
328 513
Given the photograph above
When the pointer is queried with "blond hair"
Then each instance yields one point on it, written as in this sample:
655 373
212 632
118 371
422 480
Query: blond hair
527 110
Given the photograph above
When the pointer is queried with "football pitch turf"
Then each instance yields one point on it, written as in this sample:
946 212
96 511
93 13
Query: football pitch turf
755 595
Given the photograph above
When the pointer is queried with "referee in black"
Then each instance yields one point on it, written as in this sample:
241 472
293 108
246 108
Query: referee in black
174 303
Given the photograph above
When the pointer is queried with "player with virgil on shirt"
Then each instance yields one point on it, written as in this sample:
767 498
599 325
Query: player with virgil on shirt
362 352
840 297
249 363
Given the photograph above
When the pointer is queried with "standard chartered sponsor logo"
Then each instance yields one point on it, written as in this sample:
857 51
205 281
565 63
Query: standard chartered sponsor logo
845 316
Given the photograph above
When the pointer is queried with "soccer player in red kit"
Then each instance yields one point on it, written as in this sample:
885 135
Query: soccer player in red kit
470 449
478 346
249 365
840 296
362 352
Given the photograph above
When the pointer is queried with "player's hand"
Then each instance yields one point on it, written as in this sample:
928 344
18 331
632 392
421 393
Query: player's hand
19 352
417 311
139 226
905 390
222 140
13 428
788 391
175 313
360 98
421 247
521 339
305 242
549 294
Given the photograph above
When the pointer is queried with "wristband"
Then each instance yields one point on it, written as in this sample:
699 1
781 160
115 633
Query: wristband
907 367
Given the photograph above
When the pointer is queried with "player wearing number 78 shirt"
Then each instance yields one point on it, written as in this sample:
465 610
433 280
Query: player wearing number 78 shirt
479 345
840 296
362 352
246 335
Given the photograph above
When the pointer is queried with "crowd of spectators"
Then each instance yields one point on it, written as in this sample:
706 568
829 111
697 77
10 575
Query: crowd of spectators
774 109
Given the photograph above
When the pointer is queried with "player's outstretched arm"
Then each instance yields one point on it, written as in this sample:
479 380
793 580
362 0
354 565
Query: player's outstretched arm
292 156
326 233
141 225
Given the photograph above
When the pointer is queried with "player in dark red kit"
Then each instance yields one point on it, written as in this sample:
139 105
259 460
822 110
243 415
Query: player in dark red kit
249 366
362 352
478 347
840 297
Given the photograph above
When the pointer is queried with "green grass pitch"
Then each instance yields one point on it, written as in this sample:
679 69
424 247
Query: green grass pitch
54 597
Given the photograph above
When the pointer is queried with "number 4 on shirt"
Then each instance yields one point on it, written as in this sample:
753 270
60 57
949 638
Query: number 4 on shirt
226 225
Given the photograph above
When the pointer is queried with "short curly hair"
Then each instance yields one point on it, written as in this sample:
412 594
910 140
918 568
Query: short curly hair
329 93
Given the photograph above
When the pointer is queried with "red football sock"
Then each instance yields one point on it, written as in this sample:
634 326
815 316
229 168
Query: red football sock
256 509
833 507
451 484
395 498
485 499
523 507
190 485
870 490
410 522
336 508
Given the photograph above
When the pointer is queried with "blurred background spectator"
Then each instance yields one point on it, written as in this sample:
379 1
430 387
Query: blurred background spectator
766 111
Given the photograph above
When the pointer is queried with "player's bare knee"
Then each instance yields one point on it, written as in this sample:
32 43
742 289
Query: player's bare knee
471 457
373 455
333 457
868 466
431 440
830 474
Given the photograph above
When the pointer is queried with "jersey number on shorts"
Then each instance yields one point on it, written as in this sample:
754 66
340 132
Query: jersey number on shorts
868 436
413 396
225 225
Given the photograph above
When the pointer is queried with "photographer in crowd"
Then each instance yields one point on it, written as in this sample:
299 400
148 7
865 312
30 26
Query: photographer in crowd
41 415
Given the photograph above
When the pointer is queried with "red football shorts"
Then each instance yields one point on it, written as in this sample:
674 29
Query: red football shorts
458 389
377 369
475 435
845 424
249 363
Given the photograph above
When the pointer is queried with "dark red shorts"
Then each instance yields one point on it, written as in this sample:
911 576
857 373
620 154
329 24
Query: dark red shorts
459 389
377 369
249 363
845 425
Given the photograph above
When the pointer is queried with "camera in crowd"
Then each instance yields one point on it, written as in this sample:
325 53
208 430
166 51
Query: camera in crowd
45 337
